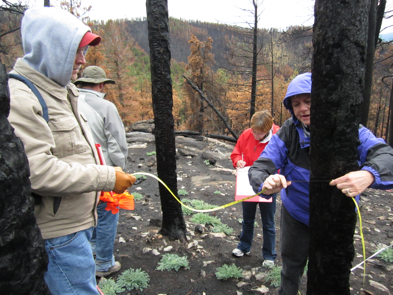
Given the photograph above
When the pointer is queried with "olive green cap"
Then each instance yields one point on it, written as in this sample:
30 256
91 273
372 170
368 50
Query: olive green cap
95 75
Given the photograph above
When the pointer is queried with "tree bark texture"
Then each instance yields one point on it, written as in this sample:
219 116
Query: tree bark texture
372 24
390 118
340 47
380 12
23 260
173 224
254 61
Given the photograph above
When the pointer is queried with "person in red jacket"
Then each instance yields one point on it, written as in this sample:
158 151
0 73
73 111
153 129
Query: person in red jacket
248 148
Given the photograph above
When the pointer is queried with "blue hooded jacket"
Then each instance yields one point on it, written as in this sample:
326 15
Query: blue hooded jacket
288 150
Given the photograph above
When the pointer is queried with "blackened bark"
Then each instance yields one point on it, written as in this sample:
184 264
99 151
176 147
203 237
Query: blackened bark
23 260
375 22
380 12
340 46
372 24
390 118
254 60
173 224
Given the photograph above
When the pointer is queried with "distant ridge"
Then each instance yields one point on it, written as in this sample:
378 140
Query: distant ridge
386 37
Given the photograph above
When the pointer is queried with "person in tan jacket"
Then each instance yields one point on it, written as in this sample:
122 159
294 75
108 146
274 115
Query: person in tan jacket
66 177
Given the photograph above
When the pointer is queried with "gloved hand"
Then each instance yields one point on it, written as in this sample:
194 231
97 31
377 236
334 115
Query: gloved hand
123 181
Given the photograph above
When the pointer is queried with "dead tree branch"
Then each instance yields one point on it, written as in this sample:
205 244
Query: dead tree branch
203 97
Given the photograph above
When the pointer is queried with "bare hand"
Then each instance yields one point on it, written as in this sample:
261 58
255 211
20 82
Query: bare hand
240 164
274 183
353 183
123 181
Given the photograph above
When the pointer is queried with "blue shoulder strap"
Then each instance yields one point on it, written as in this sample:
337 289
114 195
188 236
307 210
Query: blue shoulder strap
45 114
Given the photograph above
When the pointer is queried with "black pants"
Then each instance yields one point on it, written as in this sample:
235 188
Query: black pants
294 251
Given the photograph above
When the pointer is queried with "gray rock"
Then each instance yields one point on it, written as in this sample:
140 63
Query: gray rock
144 126
139 137
186 152
168 249
211 156
151 162
199 229
190 143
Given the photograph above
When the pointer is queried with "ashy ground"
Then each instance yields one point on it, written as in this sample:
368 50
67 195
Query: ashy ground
139 246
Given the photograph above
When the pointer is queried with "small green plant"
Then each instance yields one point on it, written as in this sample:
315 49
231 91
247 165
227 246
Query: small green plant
218 226
226 272
217 193
109 287
172 261
137 176
223 228
182 192
197 204
386 254
137 196
274 276
207 162
203 218
134 279
151 153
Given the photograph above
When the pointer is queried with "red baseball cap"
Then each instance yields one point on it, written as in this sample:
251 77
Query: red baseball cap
90 39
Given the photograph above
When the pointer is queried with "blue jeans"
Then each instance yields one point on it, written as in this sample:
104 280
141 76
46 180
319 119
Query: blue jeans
103 239
269 232
71 267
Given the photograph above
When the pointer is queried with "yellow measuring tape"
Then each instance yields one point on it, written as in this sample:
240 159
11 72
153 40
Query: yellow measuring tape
192 209
239 201
362 237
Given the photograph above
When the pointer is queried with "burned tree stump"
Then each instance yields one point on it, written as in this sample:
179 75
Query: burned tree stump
23 260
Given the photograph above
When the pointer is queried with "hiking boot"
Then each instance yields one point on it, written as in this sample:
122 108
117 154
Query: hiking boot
115 268
239 253
268 264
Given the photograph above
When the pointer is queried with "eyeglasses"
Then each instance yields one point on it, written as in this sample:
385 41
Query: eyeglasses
83 50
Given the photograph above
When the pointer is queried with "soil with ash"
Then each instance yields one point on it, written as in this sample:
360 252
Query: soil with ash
215 184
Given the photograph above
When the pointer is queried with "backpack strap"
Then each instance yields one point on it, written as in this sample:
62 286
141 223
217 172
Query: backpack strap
45 114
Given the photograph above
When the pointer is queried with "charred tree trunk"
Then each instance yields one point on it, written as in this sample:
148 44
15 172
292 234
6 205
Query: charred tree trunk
390 131
383 120
365 107
23 260
374 21
254 60
46 3
378 112
380 12
173 224
340 46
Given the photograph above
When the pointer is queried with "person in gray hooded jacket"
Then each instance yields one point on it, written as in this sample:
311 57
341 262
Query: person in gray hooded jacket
108 131
65 172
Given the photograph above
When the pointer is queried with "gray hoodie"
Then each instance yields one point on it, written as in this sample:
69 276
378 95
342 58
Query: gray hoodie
44 27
